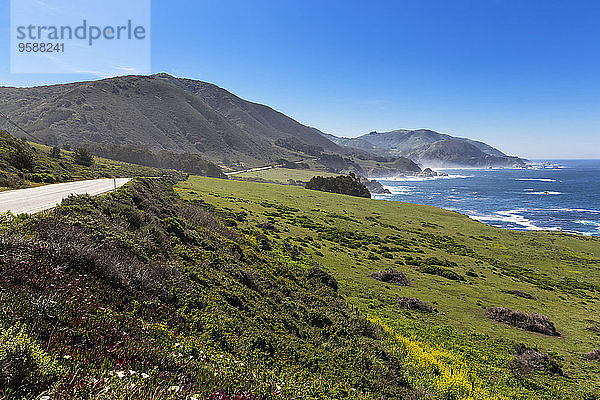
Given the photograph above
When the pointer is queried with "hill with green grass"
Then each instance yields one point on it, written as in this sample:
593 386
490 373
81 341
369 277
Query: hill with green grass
24 164
227 289
461 268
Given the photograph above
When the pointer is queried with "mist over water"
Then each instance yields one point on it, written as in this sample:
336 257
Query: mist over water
566 198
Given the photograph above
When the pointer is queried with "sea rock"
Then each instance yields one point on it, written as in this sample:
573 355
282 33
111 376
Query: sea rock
374 186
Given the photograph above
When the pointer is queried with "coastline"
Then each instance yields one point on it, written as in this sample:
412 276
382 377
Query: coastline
533 199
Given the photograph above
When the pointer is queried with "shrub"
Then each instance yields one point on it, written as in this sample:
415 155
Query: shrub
441 271
391 276
594 328
41 178
24 366
520 293
530 322
21 158
83 157
350 185
55 152
267 225
412 303
593 355
471 272
322 277
529 360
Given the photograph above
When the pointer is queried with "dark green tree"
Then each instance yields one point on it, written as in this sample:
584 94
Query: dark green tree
82 156
55 152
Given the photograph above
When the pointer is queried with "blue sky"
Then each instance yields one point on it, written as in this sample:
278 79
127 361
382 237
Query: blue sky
522 75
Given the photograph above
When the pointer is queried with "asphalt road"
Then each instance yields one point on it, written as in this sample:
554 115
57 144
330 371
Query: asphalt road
33 200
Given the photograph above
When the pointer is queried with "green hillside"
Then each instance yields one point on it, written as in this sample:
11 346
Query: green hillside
24 164
353 237
221 289
140 295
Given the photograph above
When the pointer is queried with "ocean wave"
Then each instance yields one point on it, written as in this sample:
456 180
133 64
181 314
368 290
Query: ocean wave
399 189
422 178
513 217
545 193
586 222
579 210
536 179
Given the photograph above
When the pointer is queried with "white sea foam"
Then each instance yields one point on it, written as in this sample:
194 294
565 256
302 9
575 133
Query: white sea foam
399 189
584 210
545 193
422 178
536 179
595 224
513 217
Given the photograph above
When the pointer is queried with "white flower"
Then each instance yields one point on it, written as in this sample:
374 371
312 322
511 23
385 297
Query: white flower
145 375
174 389
45 398
121 374
132 372
67 357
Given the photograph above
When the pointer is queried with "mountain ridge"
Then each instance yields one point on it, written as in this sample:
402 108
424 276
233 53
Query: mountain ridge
161 112
431 148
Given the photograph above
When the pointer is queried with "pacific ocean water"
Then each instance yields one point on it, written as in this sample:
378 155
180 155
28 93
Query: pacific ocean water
553 195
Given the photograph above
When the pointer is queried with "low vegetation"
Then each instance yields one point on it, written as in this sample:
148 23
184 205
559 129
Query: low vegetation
24 164
344 184
530 322
529 360
138 294
185 162
223 289
457 352
411 303
391 276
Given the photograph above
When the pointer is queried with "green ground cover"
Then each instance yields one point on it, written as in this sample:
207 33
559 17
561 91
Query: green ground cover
283 175
458 265
26 164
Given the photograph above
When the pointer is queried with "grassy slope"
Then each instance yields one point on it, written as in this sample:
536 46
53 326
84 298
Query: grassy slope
47 169
140 295
558 269
283 175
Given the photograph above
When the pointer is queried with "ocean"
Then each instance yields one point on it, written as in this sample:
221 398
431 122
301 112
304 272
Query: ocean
554 195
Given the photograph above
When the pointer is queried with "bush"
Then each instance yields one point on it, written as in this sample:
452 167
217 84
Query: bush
412 303
530 322
530 360
83 157
55 152
24 366
520 293
391 276
322 277
41 178
21 158
349 185
593 355
441 271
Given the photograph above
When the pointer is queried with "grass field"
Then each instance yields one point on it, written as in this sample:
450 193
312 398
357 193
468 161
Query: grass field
353 237
283 175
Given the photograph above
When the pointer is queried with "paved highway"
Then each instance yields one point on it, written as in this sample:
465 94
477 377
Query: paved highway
33 200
